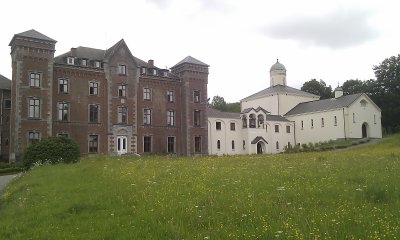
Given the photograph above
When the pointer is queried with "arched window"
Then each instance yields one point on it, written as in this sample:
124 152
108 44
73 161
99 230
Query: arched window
252 121
218 144
244 121
260 120
363 103
277 145
233 145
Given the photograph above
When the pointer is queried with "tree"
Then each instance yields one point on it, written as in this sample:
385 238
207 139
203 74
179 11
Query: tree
386 92
354 86
317 88
233 107
218 103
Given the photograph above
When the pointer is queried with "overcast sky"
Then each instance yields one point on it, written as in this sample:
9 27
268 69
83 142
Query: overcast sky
240 40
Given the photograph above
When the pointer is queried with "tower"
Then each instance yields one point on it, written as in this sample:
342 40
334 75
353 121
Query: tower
194 75
32 55
277 74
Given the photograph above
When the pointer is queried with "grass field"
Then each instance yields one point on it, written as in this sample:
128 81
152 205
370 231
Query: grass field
351 194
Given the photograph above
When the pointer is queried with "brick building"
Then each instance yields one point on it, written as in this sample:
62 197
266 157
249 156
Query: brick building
109 101
5 110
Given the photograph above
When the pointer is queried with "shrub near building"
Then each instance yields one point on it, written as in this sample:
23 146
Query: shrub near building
52 150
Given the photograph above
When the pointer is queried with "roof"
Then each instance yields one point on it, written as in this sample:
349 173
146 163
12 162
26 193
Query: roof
280 89
5 83
246 110
33 34
219 114
257 139
191 60
276 118
323 105
277 66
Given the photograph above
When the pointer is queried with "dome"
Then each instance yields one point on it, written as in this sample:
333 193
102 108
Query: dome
277 66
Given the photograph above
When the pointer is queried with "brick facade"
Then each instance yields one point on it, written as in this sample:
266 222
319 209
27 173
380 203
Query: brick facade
109 101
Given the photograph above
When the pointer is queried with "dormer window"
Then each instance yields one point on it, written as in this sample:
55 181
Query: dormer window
70 60
84 62
97 64
154 71
165 73
122 69
143 70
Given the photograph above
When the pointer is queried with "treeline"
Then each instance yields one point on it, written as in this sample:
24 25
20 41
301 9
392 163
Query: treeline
384 91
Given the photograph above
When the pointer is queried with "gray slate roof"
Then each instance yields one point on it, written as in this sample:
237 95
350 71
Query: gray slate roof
5 83
218 114
323 105
191 60
276 118
280 89
34 34
257 110
257 139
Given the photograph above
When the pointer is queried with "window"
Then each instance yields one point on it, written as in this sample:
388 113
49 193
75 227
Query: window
312 123
70 60
197 144
171 144
93 143
219 145
287 129
63 135
154 71
196 96
63 111
146 93
244 121
143 70
146 116
34 79
170 96
7 104
218 125
322 122
171 118
147 144
34 108
122 91
252 121
122 114
260 120
244 144
233 127
276 128
335 121
84 62
93 113
233 145
354 117
33 137
277 145
63 85
302 124
374 119
122 69
363 103
93 88
196 117
97 64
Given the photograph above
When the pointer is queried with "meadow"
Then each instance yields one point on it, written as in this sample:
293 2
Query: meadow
349 194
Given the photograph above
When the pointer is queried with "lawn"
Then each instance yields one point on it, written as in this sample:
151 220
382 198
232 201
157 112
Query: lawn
350 194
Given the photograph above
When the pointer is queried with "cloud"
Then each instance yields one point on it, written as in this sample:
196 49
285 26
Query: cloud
211 5
339 29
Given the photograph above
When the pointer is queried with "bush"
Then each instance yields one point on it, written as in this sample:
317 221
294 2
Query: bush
52 150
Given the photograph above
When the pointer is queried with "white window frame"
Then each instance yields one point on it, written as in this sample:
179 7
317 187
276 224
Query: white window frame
34 108
35 79
171 118
93 88
147 116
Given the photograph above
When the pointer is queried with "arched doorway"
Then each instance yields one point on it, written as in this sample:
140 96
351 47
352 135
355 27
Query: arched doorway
364 130
260 148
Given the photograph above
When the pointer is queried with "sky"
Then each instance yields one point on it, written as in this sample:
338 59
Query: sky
330 40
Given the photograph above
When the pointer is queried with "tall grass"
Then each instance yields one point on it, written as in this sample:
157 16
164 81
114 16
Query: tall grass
350 194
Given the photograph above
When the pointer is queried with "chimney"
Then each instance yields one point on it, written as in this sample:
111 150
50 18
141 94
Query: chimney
338 92
150 63
73 52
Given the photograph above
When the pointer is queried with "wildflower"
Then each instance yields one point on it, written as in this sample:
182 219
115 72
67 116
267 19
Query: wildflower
359 189
280 188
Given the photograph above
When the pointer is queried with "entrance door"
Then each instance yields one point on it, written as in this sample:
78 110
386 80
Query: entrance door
364 130
259 148
122 145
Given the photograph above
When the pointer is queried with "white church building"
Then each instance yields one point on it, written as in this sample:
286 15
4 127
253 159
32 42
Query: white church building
279 115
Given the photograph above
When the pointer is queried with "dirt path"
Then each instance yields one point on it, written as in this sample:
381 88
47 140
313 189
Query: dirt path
4 180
